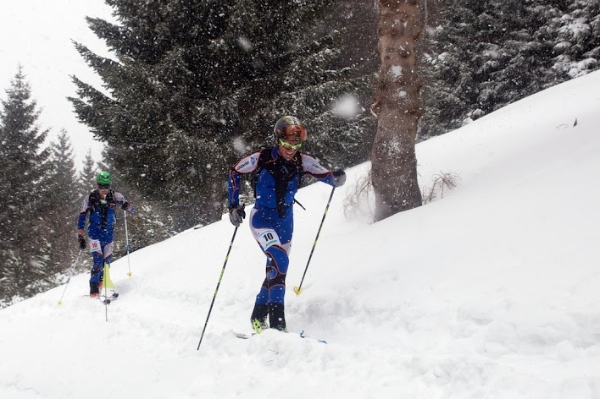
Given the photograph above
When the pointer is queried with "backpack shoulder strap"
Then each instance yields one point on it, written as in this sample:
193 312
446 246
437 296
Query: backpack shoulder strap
110 198
94 200
299 168
95 194
264 157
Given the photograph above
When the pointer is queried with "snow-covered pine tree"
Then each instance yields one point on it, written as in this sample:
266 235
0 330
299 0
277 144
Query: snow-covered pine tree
484 55
577 41
356 24
194 80
62 203
24 239
86 180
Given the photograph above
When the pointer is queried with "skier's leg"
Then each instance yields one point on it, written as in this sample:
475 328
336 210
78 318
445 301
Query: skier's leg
107 250
97 267
267 229
276 275
261 308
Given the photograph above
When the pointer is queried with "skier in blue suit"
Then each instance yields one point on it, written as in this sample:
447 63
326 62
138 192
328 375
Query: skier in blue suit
277 172
100 205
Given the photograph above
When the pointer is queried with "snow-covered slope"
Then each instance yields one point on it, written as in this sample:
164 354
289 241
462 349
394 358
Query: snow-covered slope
490 292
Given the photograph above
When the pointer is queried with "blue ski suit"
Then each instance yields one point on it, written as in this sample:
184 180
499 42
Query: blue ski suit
102 220
271 219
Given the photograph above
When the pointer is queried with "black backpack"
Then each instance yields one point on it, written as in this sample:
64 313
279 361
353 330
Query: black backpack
95 203
266 157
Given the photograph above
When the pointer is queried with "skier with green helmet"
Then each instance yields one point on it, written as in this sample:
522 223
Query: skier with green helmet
100 205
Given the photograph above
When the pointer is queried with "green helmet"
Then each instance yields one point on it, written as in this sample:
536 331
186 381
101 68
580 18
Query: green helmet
104 178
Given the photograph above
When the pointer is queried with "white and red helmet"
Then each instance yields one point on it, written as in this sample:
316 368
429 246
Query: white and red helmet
288 128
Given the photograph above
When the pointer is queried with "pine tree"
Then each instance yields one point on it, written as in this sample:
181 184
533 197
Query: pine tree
87 175
197 83
63 203
577 41
24 238
355 25
485 55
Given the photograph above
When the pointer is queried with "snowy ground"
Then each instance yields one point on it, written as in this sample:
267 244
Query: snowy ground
490 292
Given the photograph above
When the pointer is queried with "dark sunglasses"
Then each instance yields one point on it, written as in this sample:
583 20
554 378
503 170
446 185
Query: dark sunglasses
104 186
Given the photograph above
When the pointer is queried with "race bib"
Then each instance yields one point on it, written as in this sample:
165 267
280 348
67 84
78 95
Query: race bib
268 238
95 246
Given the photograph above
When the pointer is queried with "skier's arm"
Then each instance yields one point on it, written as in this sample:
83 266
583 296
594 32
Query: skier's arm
83 214
125 205
244 166
311 166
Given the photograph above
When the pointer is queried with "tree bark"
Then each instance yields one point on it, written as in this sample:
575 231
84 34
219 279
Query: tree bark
398 109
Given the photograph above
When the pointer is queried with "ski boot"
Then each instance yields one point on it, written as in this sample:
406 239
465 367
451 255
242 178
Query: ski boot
259 318
277 317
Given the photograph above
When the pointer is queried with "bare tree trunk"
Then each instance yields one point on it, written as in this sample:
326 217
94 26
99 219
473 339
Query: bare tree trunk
398 109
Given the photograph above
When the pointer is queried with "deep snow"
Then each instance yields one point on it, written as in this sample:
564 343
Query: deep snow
489 292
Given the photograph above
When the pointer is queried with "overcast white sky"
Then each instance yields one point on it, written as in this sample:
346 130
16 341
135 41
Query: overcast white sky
37 35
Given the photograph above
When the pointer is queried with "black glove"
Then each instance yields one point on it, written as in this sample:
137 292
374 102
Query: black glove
81 241
237 214
125 205
339 178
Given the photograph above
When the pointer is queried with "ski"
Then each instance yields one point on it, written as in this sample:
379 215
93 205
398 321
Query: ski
104 300
110 299
316 339
301 334
243 336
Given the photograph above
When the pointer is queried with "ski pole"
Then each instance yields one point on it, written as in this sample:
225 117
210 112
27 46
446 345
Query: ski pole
105 283
127 244
298 289
217 289
70 275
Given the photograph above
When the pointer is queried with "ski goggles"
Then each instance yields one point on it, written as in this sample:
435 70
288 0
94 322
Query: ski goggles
293 132
104 186
289 146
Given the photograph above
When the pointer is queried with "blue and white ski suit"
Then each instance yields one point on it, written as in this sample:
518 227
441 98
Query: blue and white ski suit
101 228
272 218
